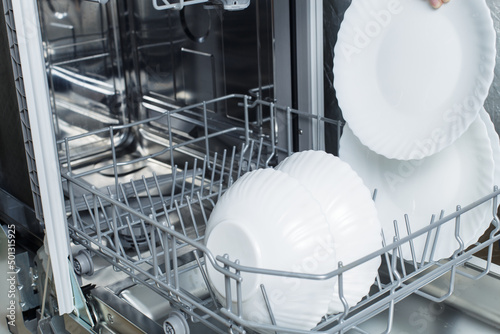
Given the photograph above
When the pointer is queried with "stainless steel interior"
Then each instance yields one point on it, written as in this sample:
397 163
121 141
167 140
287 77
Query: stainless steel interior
126 61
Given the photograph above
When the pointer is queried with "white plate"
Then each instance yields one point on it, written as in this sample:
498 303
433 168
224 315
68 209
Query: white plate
495 143
495 147
458 175
351 213
268 220
410 79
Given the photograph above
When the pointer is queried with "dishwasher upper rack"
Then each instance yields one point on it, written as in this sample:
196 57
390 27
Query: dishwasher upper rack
156 237
180 4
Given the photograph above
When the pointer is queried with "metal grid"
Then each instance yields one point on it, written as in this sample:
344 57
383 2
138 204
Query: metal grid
153 228
23 109
180 4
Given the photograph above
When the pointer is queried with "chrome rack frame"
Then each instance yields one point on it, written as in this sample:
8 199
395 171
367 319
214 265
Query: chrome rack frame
175 5
180 4
161 227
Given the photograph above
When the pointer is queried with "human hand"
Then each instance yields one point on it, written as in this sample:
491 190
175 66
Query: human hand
438 3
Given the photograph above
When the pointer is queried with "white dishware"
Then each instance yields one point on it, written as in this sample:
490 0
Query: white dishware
495 143
268 220
351 215
410 79
495 147
458 175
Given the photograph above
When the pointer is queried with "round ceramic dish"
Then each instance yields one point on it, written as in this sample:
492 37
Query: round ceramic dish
495 143
350 212
410 79
268 220
495 147
458 175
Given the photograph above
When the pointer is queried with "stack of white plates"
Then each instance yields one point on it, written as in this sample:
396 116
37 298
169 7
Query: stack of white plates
307 215
460 174
411 82
351 215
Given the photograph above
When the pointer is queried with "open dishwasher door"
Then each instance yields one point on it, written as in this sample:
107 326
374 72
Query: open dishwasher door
32 94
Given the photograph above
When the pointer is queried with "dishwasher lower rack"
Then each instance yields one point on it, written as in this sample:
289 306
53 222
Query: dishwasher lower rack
152 227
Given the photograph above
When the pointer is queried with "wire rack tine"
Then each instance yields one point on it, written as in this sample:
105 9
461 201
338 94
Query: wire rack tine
115 233
172 192
162 199
184 177
157 184
91 214
193 178
202 208
203 175
457 235
340 280
496 229
227 283
231 167
412 246
399 248
242 154
386 255
134 239
166 257
378 282
239 296
436 238
103 210
268 305
250 154
222 169
96 217
153 253
174 260
427 241
153 230
272 113
148 194
212 177
181 221
125 197
193 218
394 286
142 223
289 142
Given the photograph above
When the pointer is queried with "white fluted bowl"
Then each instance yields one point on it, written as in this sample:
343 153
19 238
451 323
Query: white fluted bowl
351 215
268 220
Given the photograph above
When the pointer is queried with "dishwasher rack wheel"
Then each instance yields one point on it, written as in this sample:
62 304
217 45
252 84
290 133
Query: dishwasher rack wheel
83 264
176 324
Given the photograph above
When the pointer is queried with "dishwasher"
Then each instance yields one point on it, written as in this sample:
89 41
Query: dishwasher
124 123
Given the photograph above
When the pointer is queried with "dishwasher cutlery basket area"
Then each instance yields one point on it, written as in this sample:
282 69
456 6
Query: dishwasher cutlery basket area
152 227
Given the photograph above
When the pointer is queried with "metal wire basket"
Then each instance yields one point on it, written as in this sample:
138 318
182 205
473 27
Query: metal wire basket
152 228
180 4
